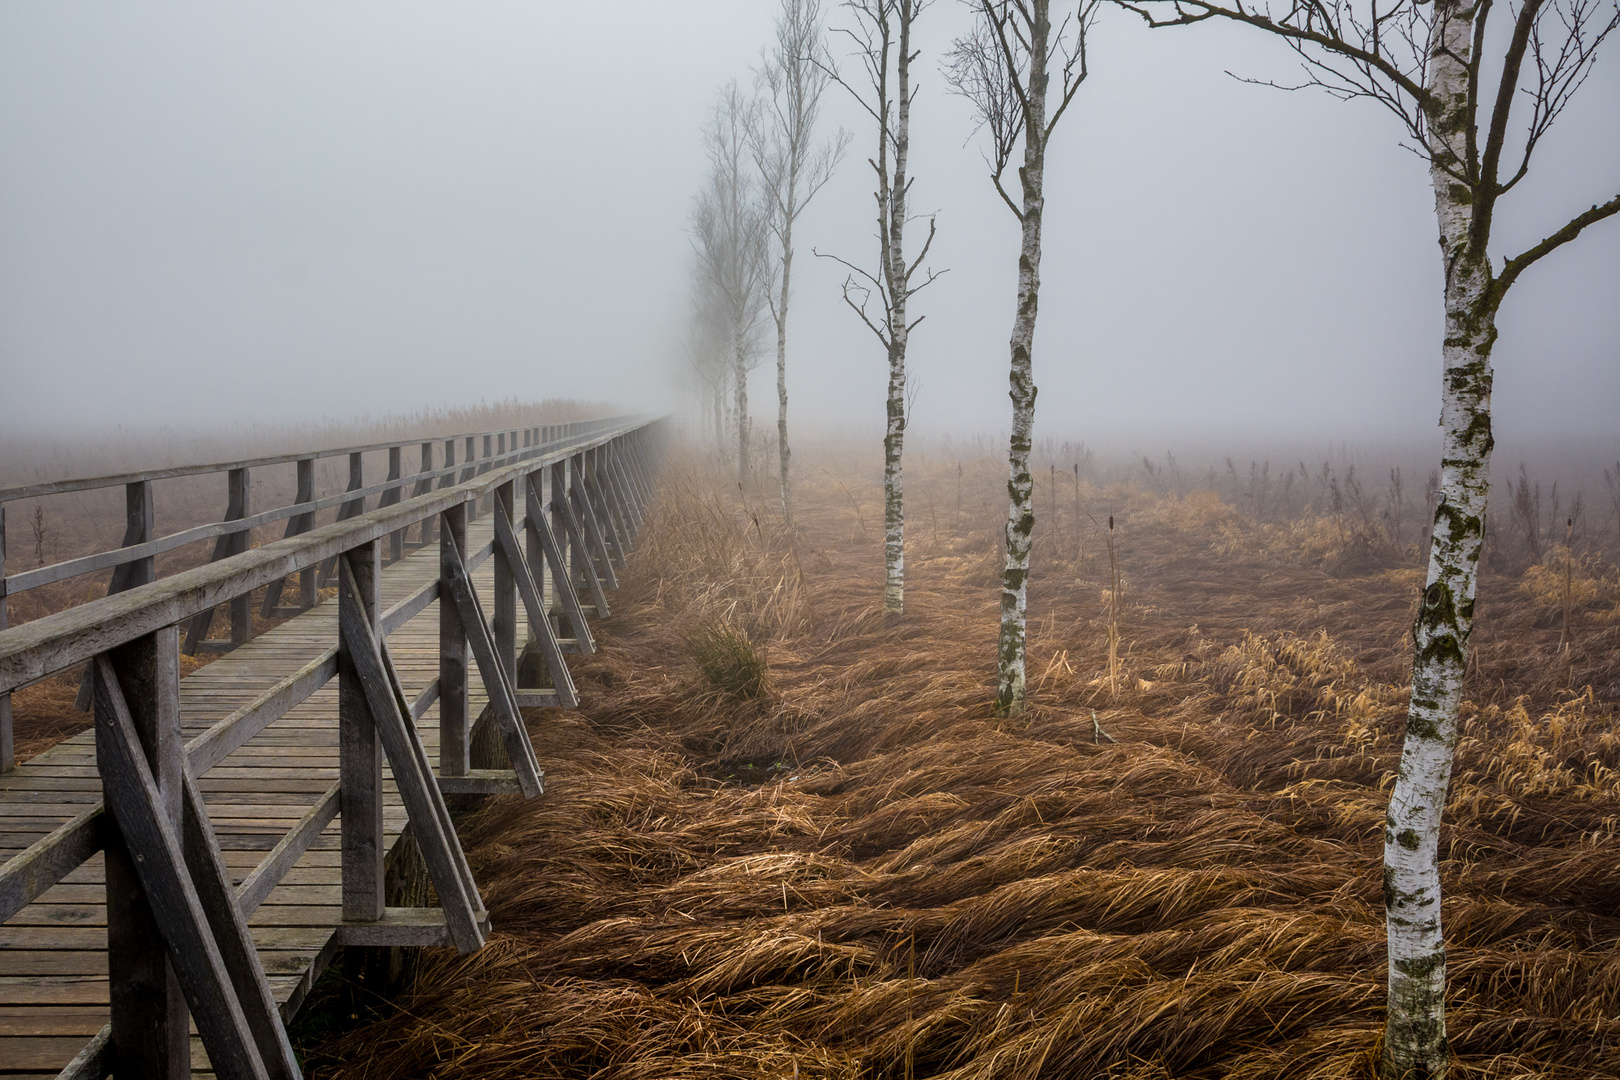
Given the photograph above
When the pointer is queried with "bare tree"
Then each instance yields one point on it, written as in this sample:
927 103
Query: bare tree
1004 67
881 31
792 168
1425 61
729 234
709 358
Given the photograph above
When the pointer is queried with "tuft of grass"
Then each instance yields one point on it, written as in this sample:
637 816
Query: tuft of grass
730 661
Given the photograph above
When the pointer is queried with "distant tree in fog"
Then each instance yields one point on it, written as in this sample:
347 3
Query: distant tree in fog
730 234
709 358
881 31
1427 63
792 168
1004 67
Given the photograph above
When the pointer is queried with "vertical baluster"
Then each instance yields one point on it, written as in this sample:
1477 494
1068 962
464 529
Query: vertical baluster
241 606
453 720
423 487
150 1023
138 524
504 616
359 755
392 497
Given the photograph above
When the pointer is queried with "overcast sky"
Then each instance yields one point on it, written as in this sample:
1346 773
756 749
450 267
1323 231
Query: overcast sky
213 212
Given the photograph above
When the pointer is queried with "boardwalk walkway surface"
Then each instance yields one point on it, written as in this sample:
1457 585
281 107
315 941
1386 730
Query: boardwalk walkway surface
53 959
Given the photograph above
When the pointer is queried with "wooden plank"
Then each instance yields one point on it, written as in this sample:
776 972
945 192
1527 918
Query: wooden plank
360 753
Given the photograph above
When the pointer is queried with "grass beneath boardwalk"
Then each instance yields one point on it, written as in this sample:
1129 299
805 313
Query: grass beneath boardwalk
785 836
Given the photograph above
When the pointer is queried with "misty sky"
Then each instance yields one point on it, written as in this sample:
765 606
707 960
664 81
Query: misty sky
214 212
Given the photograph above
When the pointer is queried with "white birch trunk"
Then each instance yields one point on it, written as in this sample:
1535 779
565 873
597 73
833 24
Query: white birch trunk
1020 504
783 454
1415 1035
740 377
894 436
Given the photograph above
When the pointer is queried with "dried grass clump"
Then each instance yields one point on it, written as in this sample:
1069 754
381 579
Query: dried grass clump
923 890
730 662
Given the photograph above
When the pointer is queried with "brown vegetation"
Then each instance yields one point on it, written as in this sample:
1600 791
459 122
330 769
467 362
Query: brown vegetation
854 869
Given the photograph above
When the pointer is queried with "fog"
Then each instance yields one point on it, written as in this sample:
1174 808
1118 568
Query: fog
211 214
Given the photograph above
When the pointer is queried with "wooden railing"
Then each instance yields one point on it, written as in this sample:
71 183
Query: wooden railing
133 562
582 490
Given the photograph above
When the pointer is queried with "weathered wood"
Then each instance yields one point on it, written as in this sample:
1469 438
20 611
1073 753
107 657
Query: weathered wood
484 782
360 755
137 684
454 722
29 873
230 935
612 531
8 746
352 507
458 584
233 543
430 820
503 627
534 605
142 815
579 559
423 927
596 552
424 485
392 497
56 641
297 526
270 872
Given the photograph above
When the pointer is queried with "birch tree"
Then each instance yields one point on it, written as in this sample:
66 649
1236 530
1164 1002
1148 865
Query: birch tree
1427 63
792 169
1004 66
730 231
881 31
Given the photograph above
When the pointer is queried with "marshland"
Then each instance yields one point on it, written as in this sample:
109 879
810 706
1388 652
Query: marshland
1013 552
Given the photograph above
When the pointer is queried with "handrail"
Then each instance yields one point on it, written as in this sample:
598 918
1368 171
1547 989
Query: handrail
59 640
62 487
178 864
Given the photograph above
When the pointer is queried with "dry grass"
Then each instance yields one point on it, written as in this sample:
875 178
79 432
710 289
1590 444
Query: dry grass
914 888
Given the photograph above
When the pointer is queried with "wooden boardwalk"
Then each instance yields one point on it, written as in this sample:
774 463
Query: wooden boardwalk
53 959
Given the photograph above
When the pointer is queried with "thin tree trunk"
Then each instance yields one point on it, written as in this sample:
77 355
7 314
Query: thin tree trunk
1415 1035
894 436
783 453
1021 380
741 377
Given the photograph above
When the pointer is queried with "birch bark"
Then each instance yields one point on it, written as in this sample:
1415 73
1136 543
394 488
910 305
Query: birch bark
1415 1032
784 455
894 271
1021 380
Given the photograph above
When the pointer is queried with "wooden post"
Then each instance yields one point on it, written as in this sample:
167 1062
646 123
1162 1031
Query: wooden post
533 504
297 525
138 525
241 606
391 497
471 470
504 629
351 508
359 753
453 719
236 508
423 487
8 746
150 1024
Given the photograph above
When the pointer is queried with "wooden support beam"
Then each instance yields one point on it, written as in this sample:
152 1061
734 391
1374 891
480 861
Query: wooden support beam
455 725
228 926
225 546
563 593
359 748
150 1022
8 743
392 497
149 1030
351 508
297 526
459 589
423 486
579 557
523 580
430 819
503 628
596 552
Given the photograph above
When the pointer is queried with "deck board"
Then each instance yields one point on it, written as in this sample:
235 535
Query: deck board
53 963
